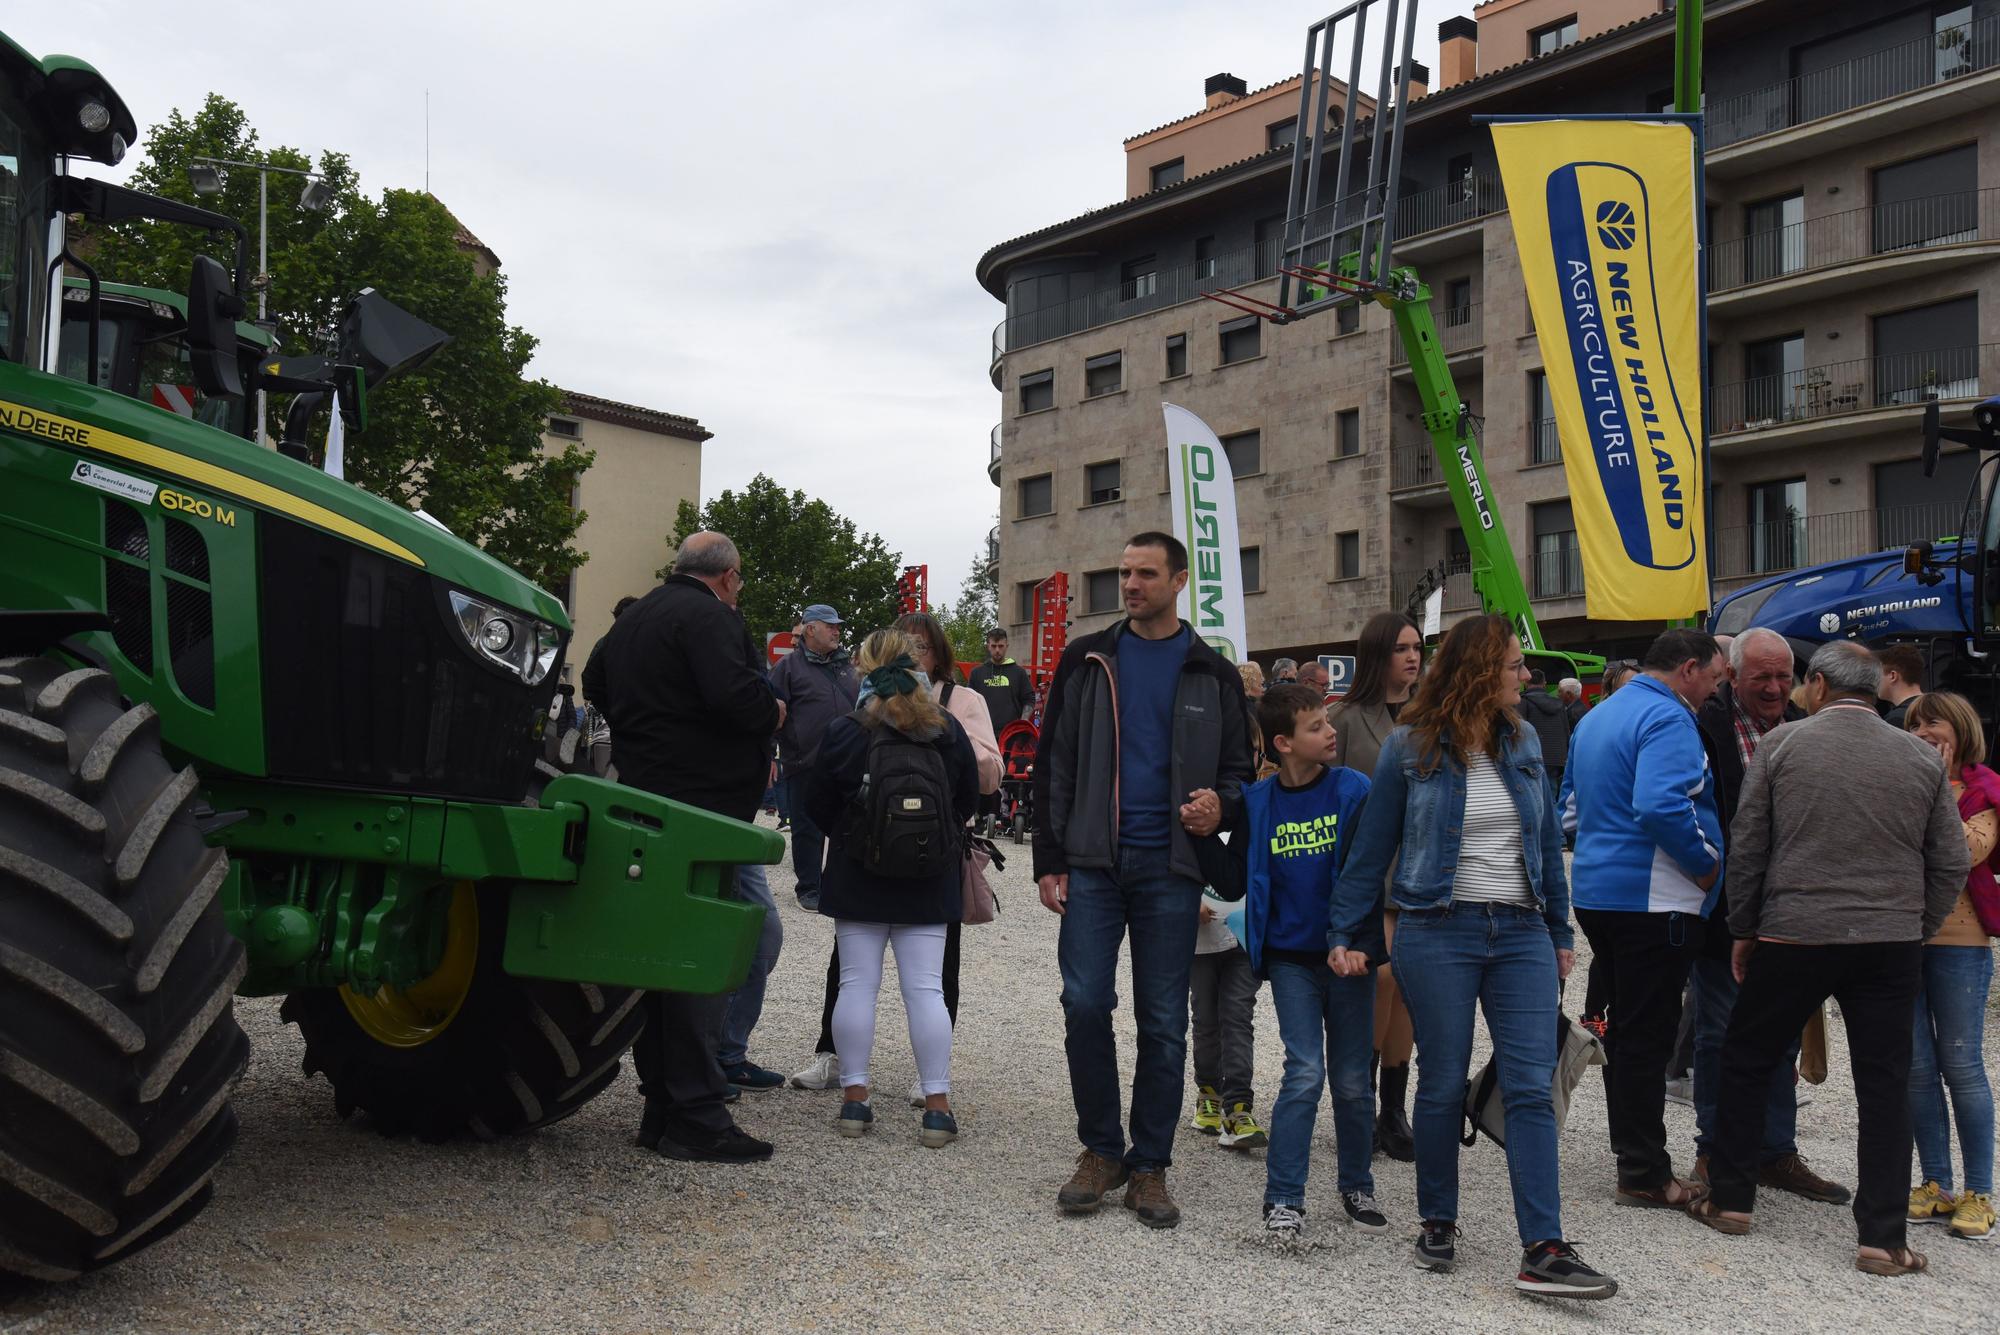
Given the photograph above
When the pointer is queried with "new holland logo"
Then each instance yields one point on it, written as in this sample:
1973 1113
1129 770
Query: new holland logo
1616 226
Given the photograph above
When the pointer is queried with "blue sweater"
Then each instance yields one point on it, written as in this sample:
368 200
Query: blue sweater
1342 791
1639 795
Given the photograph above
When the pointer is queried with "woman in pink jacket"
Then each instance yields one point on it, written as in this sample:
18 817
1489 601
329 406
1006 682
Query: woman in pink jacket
947 685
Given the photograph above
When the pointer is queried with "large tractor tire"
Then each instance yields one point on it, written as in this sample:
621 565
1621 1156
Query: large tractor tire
471 1048
118 1044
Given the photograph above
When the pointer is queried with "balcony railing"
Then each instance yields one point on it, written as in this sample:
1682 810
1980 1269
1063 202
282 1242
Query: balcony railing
1855 234
1903 68
1466 199
993 548
1848 387
1544 444
999 351
1152 291
1459 328
1804 540
993 455
1459 593
1558 573
1413 466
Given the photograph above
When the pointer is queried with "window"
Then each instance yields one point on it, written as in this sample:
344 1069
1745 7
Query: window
1169 173
1774 237
1101 481
1024 601
1777 525
1910 507
1246 453
1037 496
1543 445
1773 369
1931 352
1458 302
1038 391
1281 133
1269 235
1241 340
1204 257
1104 374
1928 201
565 426
1347 318
1558 560
1953 30
1252 559
1138 278
1100 591
1347 433
1347 555
1552 38
1176 355
1458 179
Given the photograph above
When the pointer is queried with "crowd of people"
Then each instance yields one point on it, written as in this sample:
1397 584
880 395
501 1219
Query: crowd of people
1391 866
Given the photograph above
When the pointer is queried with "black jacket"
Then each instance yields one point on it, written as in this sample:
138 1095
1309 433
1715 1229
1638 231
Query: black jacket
1076 760
815 694
1007 689
690 713
846 888
1550 720
1717 720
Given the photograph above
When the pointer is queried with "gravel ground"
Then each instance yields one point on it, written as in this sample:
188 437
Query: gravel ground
322 1225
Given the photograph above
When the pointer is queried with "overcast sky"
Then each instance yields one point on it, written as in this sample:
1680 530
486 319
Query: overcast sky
765 217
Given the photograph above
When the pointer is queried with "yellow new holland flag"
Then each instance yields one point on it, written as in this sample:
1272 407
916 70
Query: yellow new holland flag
1606 219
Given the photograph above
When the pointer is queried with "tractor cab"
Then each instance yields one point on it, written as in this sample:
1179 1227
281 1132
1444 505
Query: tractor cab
143 353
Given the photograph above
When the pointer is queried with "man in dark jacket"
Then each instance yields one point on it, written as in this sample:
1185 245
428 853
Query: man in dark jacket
1004 684
690 719
1550 720
1733 722
1145 743
817 683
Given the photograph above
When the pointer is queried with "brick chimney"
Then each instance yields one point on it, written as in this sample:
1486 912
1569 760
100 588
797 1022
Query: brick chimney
1458 51
1223 88
1420 79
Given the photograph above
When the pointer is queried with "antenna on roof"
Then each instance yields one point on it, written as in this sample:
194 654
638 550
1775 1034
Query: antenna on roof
427 141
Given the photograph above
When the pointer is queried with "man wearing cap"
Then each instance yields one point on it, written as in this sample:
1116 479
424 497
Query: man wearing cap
818 685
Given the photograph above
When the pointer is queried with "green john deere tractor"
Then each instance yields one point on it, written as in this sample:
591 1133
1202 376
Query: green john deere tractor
261 733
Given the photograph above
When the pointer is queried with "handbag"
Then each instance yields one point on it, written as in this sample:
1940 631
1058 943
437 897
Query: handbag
1577 1048
1812 1049
981 904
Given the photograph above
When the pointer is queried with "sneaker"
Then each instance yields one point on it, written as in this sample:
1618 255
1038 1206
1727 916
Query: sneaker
1931 1204
822 1072
732 1146
1973 1219
1791 1173
855 1118
1208 1113
1146 1196
1241 1132
1554 1270
1435 1245
1681 1091
1362 1214
1283 1223
939 1129
809 900
749 1075
1095 1175
783 824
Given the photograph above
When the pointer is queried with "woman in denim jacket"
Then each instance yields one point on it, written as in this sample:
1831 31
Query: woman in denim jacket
1460 793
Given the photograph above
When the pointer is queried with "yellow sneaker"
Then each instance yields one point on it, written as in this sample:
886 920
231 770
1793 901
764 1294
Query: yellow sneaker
1242 1131
1973 1219
1930 1204
1208 1113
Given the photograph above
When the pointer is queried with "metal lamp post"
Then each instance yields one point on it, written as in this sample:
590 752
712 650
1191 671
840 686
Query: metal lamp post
205 176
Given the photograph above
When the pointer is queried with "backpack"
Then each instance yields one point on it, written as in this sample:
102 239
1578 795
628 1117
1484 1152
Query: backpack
900 823
1576 1049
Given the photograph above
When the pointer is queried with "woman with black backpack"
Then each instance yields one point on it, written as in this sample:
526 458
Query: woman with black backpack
895 784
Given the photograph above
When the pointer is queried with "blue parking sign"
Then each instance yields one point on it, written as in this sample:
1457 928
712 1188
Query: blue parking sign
1339 672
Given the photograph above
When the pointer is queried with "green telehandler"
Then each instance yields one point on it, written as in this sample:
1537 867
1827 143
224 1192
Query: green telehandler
263 733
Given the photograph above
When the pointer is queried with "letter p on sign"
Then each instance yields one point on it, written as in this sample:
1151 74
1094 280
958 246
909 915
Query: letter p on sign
1339 672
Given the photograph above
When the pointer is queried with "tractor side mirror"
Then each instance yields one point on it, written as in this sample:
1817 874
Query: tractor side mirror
212 310
1916 558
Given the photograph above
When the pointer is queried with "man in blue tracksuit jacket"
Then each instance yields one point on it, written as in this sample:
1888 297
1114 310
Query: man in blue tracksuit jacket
1641 799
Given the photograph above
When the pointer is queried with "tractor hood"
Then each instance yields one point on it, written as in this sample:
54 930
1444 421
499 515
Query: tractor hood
1862 598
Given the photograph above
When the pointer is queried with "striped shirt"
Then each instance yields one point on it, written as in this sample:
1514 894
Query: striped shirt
1492 867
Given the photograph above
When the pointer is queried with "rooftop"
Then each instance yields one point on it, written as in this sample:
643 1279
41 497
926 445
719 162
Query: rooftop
592 408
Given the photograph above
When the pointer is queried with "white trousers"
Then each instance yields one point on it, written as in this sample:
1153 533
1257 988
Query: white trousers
920 970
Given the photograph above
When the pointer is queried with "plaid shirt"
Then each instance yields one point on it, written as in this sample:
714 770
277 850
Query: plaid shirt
1748 731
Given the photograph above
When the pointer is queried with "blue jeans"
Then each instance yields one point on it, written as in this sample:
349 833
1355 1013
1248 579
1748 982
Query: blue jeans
1160 909
743 1007
1498 957
808 843
1713 989
1327 1024
1951 1012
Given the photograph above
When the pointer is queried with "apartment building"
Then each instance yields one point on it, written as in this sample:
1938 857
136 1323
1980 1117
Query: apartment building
1853 244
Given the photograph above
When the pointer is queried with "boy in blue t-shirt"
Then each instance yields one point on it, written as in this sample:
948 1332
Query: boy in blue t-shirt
1296 824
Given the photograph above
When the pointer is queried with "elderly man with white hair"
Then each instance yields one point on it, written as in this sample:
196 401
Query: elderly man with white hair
1756 699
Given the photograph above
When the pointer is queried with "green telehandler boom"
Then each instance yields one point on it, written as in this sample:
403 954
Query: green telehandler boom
263 733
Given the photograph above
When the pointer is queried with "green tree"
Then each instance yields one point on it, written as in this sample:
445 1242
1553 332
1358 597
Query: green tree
966 621
796 552
463 437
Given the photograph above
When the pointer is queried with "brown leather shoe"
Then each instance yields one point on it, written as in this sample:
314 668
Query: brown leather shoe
1792 1174
1147 1197
1095 1175
1700 1174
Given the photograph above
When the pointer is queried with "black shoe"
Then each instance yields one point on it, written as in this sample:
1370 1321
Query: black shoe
1392 1129
1554 1270
1363 1214
732 1146
1436 1246
749 1075
652 1125
809 900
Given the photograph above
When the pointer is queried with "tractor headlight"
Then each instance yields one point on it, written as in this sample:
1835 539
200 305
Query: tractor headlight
506 638
94 116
